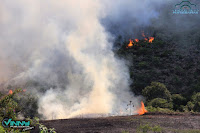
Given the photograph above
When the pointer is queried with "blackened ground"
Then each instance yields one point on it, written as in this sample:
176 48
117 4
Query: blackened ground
172 123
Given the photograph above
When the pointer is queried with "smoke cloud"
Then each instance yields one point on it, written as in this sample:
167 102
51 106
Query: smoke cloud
62 52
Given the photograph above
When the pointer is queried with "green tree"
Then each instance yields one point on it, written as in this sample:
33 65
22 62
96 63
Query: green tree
156 90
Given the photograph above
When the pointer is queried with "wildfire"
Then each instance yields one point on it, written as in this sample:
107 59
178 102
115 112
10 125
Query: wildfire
10 92
136 40
130 43
146 39
151 39
142 109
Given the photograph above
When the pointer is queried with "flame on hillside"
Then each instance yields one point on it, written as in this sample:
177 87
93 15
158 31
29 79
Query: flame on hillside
151 39
146 39
130 43
10 92
136 40
142 109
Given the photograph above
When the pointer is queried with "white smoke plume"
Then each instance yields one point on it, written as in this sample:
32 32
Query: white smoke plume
62 51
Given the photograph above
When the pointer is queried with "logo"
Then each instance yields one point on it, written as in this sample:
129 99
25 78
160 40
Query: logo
8 123
185 7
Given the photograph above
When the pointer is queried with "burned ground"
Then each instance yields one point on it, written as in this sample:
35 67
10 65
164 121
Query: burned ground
172 123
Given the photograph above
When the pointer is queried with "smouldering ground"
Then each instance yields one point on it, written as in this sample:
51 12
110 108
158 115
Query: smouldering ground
171 123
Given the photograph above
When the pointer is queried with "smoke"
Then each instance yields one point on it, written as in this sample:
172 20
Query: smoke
62 52
179 29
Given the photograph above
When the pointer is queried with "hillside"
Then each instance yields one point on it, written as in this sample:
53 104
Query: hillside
165 63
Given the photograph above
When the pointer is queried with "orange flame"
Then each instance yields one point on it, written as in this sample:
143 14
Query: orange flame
136 40
10 92
130 43
142 109
151 39
146 39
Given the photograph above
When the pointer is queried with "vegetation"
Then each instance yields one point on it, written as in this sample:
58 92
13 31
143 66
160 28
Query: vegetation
167 75
44 129
179 101
9 105
19 103
147 128
156 90
161 103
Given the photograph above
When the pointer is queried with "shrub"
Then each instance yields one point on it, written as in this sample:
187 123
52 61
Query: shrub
178 102
157 129
144 128
8 105
197 107
44 129
194 104
156 90
162 110
190 105
196 97
161 103
147 128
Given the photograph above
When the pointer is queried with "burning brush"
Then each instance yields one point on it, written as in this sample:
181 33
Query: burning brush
135 42
10 92
142 109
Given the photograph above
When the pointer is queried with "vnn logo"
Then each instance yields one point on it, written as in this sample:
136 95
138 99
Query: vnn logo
18 124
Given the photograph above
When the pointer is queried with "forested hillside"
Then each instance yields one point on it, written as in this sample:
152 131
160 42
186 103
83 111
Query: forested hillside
167 64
